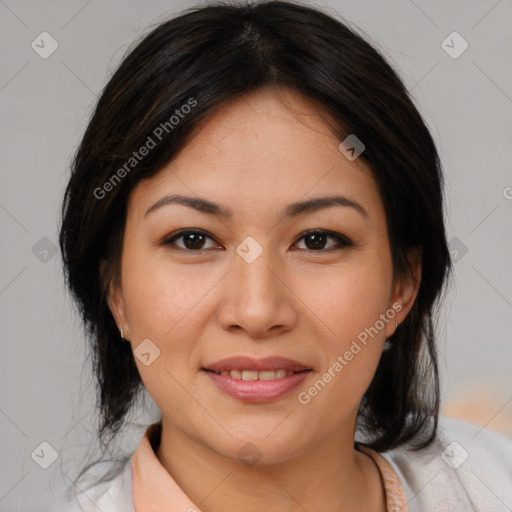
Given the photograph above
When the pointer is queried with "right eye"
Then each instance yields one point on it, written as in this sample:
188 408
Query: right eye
193 240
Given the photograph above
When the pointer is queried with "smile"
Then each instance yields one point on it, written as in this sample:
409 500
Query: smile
256 375
257 386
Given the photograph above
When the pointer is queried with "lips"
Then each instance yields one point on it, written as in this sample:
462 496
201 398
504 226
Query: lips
256 375
256 380
241 365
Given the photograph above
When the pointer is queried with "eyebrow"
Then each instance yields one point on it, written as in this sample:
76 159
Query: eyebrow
292 210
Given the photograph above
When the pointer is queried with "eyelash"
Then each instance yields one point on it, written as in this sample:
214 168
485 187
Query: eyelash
342 240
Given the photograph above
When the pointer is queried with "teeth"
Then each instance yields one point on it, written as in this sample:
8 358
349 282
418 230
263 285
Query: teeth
249 375
255 375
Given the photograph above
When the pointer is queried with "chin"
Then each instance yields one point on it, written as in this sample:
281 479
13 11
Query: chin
260 445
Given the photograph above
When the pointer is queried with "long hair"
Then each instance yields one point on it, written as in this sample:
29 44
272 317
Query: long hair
203 58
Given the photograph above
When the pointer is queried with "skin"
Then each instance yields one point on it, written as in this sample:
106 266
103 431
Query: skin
254 156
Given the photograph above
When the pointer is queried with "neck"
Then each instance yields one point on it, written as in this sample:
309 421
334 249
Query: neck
333 477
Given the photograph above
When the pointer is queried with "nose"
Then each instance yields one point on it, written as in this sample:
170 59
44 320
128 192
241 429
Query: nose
257 299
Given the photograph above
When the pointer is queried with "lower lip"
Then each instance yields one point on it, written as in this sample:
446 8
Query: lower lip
257 390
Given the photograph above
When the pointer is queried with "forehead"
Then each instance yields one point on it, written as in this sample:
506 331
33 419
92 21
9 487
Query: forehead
270 123
266 148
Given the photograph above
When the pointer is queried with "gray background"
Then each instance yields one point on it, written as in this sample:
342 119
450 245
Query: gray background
45 104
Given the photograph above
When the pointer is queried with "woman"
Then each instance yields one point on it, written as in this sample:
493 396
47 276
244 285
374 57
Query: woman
253 232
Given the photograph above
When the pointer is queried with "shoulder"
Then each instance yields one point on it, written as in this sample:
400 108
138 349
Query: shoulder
467 467
113 495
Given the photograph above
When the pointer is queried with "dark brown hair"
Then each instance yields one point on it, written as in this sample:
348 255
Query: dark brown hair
215 53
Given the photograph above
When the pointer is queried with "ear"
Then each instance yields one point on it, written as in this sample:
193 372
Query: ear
115 302
405 290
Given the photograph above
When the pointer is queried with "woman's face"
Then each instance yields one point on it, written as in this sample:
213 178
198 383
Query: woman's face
243 278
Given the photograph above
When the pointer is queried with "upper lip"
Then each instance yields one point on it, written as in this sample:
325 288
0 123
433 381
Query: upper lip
242 363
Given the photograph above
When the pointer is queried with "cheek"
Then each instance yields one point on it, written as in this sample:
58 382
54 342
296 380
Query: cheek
349 303
162 304
158 295
350 299
166 303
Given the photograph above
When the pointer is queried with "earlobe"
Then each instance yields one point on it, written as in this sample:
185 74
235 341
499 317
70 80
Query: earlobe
411 284
406 288
115 302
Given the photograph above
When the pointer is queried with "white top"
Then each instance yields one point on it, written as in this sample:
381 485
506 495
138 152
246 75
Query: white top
466 469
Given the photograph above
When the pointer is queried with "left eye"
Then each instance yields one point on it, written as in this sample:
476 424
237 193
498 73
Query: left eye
318 239
193 240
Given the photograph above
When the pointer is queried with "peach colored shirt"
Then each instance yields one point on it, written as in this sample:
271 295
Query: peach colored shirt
155 489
